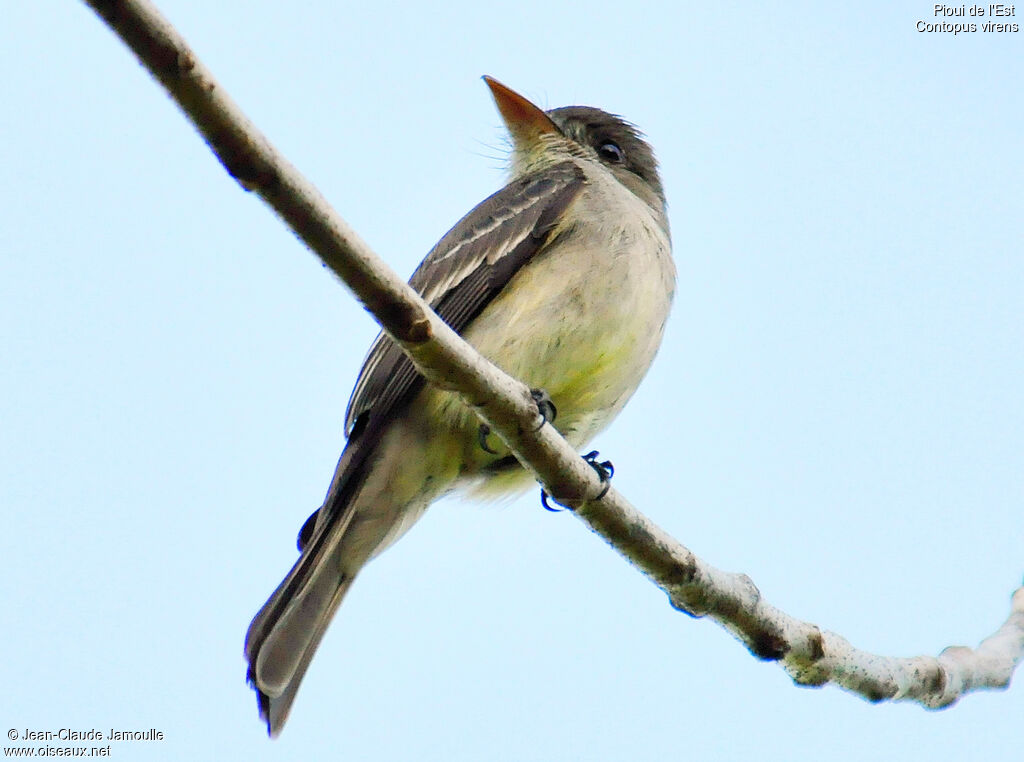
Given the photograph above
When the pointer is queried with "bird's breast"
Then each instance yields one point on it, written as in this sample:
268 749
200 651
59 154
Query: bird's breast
584 319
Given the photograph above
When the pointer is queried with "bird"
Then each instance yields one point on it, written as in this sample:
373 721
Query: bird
564 279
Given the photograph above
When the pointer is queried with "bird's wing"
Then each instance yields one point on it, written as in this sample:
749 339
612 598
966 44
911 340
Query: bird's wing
464 272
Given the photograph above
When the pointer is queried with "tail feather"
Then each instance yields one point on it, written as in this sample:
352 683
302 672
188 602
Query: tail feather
311 563
284 635
274 709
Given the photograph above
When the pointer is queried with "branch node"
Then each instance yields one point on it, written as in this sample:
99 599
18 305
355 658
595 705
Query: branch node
815 645
769 646
877 694
420 331
243 162
406 322
690 601
186 62
751 590
809 678
680 573
935 682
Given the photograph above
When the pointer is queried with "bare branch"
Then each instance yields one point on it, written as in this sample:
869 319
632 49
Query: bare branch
812 657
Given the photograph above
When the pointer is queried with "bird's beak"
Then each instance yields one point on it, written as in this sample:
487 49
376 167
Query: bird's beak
526 122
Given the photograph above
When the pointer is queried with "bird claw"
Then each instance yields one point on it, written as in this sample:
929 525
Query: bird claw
481 436
604 468
547 506
605 471
545 407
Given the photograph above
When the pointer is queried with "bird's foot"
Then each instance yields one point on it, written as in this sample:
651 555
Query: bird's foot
545 407
481 436
605 471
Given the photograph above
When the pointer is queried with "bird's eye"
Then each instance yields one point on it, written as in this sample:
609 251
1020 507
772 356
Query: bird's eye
610 152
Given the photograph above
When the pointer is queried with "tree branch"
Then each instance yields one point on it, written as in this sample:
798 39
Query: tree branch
812 657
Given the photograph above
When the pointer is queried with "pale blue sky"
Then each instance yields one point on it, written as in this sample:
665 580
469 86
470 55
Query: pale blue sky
836 409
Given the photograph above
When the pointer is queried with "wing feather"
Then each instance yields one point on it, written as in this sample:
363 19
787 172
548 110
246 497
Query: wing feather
463 272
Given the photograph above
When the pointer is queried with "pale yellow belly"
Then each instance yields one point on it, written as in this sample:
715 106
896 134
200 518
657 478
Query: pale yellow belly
583 322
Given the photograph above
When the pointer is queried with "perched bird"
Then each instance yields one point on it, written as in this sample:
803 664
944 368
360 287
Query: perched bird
564 279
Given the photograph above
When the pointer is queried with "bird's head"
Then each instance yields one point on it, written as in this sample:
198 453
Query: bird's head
541 138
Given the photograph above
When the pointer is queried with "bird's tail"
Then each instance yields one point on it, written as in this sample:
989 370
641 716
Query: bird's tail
285 633
277 667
